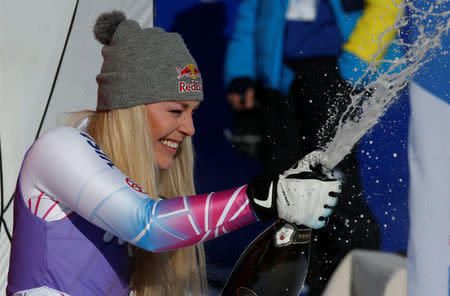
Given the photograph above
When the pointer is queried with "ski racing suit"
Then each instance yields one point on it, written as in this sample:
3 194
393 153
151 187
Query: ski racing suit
69 193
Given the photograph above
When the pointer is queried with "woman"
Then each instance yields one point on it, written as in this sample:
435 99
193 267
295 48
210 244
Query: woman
75 185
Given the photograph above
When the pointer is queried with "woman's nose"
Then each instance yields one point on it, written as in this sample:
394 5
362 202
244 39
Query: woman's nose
187 125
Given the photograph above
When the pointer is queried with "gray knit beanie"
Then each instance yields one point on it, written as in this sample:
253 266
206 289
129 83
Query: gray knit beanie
143 66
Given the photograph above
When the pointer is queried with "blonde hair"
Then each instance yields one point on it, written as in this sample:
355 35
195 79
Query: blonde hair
124 135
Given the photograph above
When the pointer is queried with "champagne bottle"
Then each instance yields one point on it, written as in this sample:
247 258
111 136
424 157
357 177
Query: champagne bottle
275 263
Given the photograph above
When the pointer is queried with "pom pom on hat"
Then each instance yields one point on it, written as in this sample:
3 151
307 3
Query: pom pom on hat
107 24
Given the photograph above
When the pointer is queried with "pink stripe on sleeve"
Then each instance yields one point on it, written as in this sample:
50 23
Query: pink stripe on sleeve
49 210
37 204
181 222
29 203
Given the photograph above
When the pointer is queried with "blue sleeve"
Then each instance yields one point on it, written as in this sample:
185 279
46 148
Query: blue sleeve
240 52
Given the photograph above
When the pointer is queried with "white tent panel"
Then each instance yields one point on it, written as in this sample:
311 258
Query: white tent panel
5 248
32 35
76 88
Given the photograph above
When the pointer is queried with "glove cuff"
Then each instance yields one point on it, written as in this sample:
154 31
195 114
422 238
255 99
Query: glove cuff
263 197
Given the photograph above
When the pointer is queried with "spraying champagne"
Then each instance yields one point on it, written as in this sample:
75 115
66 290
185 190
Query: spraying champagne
266 255
276 262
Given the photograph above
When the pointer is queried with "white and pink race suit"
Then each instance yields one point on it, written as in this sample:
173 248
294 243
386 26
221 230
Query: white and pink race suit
64 176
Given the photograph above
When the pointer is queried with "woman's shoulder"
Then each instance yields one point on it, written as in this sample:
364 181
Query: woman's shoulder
48 158
60 136
57 141
59 132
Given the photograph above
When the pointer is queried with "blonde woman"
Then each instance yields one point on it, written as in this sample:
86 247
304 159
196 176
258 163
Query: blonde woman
129 174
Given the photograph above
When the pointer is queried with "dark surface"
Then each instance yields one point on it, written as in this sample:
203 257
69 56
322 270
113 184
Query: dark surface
269 269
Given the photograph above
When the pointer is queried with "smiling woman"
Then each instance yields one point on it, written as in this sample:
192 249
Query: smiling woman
171 123
128 173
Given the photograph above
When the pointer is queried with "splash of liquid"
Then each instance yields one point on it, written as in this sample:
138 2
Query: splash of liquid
370 102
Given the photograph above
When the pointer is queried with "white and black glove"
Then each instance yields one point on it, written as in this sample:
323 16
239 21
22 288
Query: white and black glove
304 194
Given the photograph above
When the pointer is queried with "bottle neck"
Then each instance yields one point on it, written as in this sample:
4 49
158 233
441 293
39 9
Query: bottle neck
291 234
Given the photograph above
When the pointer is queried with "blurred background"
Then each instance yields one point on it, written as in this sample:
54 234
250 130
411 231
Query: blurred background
206 27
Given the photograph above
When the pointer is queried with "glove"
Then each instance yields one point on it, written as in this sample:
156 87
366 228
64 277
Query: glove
303 195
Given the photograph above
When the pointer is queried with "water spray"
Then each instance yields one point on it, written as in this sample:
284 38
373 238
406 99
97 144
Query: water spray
369 103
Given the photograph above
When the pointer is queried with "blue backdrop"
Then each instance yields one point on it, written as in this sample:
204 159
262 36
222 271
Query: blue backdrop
206 27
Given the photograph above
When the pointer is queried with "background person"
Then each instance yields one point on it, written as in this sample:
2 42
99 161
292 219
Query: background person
290 68
428 154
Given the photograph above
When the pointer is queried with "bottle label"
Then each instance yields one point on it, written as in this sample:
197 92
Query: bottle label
289 234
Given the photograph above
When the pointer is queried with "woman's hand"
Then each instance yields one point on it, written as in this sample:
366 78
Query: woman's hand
304 194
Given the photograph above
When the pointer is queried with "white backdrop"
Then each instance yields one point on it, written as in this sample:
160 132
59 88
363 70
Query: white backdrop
48 63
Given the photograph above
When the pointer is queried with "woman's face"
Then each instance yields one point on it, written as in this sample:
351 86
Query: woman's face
170 123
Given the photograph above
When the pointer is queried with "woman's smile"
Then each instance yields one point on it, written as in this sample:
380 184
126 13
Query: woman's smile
170 145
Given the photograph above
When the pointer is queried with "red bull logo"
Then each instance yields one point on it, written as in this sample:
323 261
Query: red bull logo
189 71
188 87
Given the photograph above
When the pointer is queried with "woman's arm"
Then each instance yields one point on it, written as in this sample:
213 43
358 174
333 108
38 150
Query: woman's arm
69 167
